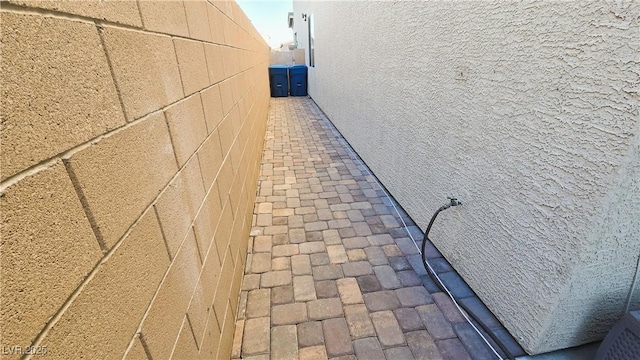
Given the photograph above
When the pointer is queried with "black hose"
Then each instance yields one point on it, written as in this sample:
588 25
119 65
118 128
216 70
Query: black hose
432 275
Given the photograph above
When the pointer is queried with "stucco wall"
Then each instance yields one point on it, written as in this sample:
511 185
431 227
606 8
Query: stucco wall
527 112
294 57
131 137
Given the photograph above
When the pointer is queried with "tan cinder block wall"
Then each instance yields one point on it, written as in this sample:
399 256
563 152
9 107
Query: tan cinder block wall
131 138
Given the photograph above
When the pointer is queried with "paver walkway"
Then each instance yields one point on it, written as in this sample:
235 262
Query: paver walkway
331 271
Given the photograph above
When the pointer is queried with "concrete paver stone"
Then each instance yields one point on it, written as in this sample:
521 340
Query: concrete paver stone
310 334
289 314
336 336
387 328
325 308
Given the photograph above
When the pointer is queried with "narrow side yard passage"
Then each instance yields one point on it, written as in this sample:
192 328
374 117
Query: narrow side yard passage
331 271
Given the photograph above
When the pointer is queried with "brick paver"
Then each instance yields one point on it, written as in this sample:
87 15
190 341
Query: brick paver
284 342
325 308
387 328
304 288
310 334
256 336
318 352
331 271
368 348
336 337
349 291
258 303
438 326
289 314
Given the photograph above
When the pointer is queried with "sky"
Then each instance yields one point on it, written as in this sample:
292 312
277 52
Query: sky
269 18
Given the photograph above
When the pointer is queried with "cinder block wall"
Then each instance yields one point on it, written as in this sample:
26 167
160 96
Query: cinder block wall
131 137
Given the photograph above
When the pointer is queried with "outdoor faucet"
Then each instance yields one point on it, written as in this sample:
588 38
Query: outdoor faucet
453 201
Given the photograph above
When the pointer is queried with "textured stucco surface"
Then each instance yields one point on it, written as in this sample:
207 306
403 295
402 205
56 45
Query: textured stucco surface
528 112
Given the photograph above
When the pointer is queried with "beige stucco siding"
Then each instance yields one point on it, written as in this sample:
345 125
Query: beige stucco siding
527 112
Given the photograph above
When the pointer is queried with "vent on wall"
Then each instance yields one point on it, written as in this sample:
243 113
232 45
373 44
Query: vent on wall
623 341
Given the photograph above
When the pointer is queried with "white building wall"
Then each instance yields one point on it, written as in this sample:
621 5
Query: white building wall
526 111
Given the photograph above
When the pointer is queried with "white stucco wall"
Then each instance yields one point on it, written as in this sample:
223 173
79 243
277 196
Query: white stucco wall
526 111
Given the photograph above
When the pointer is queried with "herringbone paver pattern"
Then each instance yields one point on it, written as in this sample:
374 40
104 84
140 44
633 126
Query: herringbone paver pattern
331 271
